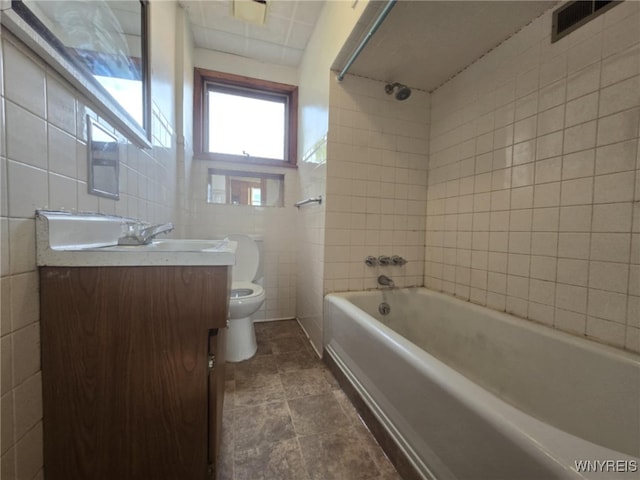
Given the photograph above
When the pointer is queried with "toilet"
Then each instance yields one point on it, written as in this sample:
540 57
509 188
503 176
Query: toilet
246 298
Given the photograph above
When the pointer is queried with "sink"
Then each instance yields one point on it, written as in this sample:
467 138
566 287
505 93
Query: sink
185 245
169 245
69 239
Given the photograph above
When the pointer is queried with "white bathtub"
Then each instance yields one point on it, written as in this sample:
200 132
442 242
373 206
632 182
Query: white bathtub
470 393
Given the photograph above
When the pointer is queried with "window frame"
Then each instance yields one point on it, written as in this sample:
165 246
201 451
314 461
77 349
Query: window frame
256 87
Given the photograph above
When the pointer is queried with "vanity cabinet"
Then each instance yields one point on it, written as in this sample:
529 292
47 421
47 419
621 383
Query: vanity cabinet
133 371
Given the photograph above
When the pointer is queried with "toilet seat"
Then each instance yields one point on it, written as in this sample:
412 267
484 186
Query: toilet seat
245 291
247 258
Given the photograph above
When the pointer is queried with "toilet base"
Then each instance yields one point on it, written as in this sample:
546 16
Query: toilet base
241 340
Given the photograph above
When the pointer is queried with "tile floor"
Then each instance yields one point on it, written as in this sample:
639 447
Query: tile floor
285 417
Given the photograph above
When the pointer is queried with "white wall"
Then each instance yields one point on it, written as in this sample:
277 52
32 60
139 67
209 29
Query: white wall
277 226
336 22
43 157
534 179
184 118
248 67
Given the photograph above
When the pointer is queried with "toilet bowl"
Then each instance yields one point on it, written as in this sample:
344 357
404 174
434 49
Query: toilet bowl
246 298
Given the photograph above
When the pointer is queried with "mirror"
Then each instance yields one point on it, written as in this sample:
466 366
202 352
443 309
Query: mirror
254 189
100 46
104 161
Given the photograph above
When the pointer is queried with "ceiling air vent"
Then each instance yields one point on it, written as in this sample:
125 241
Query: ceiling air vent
252 11
573 15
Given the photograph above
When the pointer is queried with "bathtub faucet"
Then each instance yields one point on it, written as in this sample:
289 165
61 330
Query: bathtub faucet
385 281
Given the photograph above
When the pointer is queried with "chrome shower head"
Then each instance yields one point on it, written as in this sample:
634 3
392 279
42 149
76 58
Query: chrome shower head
403 92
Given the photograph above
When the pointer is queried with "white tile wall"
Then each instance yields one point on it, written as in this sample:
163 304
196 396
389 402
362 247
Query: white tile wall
376 184
561 124
310 246
43 157
276 226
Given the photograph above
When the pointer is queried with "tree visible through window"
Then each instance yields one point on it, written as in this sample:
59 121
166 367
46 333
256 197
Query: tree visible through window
244 120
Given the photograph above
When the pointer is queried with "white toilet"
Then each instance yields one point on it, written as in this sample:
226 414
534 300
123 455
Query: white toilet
246 299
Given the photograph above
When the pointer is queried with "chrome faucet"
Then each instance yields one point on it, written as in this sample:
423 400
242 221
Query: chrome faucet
385 281
137 236
384 260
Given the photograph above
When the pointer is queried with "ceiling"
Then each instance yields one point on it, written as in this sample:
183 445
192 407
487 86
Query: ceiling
281 40
420 43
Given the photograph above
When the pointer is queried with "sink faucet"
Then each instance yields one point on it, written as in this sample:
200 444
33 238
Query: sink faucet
385 281
137 236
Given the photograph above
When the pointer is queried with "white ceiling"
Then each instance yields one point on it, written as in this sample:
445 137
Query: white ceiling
421 43
281 40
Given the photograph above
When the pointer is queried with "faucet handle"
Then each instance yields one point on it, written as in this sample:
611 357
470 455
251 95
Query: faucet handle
371 261
130 228
384 260
398 260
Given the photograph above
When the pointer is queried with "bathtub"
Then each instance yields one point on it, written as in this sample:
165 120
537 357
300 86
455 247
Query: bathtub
470 393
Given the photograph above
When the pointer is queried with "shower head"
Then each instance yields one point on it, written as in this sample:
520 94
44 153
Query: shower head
403 92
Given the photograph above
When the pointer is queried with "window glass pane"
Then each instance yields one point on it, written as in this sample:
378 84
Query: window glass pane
256 195
240 125
245 188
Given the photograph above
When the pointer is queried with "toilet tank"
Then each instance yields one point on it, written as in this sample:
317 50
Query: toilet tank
259 239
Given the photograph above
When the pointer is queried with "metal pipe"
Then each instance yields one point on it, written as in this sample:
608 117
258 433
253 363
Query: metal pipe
317 199
383 14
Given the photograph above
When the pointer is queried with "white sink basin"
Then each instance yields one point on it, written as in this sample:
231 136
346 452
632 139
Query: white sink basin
65 239
170 245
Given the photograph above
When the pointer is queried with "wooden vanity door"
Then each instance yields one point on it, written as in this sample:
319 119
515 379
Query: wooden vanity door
125 371
217 343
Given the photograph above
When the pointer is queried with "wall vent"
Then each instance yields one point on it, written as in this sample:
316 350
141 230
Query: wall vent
573 15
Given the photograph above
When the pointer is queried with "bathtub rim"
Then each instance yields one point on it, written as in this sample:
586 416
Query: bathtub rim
546 435
544 329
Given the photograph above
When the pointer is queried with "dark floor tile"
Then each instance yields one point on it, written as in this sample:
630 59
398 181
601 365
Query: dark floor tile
256 427
281 328
228 428
225 467
297 360
259 438
287 344
264 347
258 390
301 383
317 414
347 407
258 365
229 371
229 394
331 380
225 457
378 456
387 476
275 461
337 456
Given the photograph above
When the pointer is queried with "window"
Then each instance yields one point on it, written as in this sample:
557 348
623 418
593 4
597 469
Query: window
231 187
241 119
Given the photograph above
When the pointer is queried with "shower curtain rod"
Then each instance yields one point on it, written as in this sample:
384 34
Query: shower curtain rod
383 14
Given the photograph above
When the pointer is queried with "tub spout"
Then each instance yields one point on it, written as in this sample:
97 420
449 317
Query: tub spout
385 281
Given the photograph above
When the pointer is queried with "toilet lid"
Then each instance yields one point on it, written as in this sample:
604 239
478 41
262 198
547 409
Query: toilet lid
247 258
